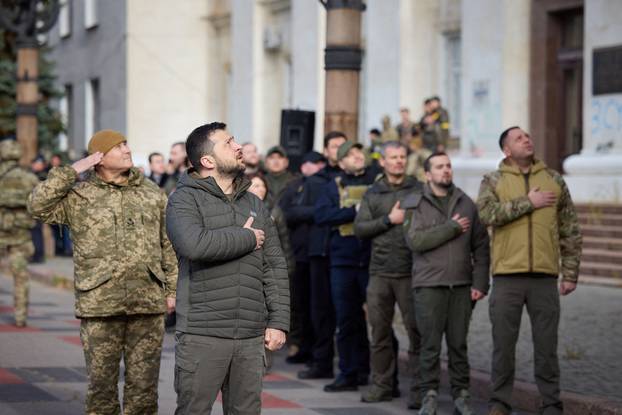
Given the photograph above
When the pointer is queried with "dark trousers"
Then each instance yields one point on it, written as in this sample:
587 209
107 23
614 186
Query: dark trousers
438 311
322 313
541 297
349 286
207 365
62 240
37 241
301 333
382 294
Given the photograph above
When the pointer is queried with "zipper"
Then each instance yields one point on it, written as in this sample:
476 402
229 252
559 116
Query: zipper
237 311
529 227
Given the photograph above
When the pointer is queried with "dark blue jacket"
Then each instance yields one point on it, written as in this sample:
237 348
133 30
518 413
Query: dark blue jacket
344 250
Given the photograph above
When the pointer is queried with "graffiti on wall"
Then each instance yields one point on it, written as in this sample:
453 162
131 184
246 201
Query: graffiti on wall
482 124
606 122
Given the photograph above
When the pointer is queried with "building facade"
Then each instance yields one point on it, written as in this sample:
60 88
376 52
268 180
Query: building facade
158 68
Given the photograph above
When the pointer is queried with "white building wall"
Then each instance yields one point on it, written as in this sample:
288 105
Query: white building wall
595 175
308 33
166 76
382 66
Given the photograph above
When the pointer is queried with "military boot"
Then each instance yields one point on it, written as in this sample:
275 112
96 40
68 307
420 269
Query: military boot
430 403
462 405
375 394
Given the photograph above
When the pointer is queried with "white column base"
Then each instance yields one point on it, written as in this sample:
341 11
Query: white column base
468 172
594 178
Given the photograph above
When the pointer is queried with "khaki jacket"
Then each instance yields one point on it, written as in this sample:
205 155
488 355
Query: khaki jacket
124 262
524 239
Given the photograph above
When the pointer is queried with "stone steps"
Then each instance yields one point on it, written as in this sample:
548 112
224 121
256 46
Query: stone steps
600 269
602 256
614 232
604 219
601 226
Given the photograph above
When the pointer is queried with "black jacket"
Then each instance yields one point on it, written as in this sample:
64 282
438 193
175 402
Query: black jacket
298 212
390 256
225 288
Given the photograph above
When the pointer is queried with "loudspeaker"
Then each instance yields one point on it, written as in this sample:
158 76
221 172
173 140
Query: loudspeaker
297 133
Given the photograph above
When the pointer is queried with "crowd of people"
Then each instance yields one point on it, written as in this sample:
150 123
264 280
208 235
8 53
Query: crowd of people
248 251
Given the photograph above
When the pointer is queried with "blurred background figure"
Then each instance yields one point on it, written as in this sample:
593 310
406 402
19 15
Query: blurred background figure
16 223
177 164
157 169
388 132
434 125
298 212
406 129
39 168
252 159
277 176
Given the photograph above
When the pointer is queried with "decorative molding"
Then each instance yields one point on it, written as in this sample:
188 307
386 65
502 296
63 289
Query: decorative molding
276 6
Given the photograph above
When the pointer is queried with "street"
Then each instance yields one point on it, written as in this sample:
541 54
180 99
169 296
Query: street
42 369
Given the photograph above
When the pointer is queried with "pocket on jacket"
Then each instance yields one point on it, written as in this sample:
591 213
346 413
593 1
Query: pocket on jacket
157 274
91 273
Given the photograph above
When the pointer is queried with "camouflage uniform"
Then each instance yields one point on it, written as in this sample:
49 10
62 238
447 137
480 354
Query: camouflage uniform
124 268
15 222
530 248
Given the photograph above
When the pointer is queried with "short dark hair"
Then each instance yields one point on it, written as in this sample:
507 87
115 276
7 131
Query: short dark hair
199 144
427 163
155 154
375 131
504 135
332 135
391 144
427 101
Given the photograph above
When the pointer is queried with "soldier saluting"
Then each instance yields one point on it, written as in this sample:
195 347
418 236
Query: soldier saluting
125 269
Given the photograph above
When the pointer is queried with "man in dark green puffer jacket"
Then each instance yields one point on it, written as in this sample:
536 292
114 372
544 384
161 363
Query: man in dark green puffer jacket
233 296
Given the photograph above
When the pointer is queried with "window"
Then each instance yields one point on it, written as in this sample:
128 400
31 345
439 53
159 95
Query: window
453 80
65 107
91 109
64 18
90 14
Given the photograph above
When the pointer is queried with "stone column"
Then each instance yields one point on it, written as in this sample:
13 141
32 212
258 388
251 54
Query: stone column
595 175
342 59
245 50
382 63
495 81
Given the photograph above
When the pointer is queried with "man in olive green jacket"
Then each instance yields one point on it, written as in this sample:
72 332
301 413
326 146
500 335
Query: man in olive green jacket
536 237
451 258
380 219
125 269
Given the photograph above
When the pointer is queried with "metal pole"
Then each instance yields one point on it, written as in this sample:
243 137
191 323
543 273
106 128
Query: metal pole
342 60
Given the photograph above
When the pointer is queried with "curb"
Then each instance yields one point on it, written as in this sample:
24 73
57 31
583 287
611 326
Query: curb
526 396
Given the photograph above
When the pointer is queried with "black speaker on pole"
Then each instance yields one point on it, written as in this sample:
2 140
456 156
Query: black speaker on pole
297 133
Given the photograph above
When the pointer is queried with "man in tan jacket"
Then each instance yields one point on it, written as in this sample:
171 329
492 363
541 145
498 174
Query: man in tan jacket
535 238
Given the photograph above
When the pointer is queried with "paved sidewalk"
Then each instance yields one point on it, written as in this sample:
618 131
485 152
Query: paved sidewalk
42 369
589 344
